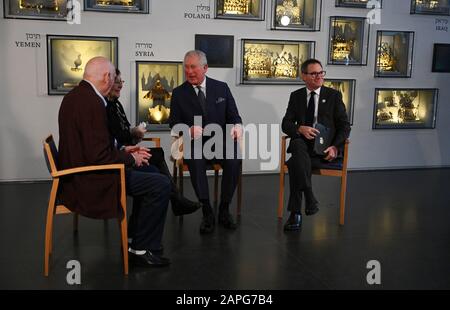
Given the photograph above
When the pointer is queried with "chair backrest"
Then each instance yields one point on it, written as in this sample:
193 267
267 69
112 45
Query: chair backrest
51 154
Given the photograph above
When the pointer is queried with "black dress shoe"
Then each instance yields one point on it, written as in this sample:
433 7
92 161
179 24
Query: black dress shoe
183 206
148 259
294 222
226 220
311 209
208 223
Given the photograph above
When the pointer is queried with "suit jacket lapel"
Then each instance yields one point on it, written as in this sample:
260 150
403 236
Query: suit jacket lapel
303 105
193 97
210 95
322 103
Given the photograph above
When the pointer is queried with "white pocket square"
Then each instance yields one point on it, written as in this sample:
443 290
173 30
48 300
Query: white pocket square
220 99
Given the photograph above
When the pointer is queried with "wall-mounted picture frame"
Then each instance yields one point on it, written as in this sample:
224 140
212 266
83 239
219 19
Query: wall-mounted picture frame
347 87
118 6
405 108
360 4
348 41
273 61
68 55
155 81
36 9
394 54
430 7
240 9
441 58
219 49
299 15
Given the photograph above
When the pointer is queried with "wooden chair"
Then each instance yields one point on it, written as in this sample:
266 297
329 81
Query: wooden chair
179 167
335 169
155 140
54 208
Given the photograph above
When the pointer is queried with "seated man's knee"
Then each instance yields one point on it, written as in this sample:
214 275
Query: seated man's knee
297 145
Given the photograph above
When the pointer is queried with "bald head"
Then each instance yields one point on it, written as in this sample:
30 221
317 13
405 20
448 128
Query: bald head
100 72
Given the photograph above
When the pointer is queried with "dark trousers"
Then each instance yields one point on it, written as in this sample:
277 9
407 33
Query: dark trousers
230 176
150 193
158 161
302 161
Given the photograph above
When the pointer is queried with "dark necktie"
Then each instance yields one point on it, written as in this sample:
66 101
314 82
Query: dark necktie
202 100
310 110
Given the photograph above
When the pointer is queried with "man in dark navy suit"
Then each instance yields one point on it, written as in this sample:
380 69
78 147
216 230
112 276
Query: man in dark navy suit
210 101
307 106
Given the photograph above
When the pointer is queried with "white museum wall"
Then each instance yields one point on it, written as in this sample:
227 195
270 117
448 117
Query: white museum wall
28 114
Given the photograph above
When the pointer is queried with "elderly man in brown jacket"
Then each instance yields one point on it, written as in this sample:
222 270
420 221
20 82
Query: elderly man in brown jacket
84 140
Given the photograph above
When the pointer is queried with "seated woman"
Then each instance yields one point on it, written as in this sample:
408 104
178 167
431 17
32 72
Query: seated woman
125 136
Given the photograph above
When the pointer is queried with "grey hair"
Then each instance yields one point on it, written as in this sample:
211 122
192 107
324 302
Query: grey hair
201 56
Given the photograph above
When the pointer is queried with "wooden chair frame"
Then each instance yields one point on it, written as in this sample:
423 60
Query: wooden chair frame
50 153
342 173
179 167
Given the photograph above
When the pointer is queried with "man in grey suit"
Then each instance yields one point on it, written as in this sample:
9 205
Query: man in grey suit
307 106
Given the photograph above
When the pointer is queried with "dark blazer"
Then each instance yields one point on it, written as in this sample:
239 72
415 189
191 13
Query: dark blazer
331 114
118 124
84 140
220 105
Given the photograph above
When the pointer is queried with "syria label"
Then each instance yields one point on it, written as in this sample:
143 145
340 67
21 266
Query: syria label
32 41
200 11
143 49
441 24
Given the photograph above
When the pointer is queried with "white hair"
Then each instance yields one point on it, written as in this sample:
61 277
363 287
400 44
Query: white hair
201 56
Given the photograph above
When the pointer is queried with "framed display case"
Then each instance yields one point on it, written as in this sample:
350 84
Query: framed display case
405 108
155 81
394 53
363 4
219 49
348 41
441 58
239 9
67 56
273 61
117 6
35 9
430 7
301 15
347 89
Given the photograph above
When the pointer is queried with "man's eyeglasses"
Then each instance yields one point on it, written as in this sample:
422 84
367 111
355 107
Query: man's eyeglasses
119 82
316 74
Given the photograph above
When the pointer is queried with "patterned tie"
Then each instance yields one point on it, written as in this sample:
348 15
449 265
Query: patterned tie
202 100
310 110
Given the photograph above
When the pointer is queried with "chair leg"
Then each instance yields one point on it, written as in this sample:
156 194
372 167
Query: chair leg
175 174
75 222
181 186
49 226
281 193
124 236
216 187
342 199
180 174
239 197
